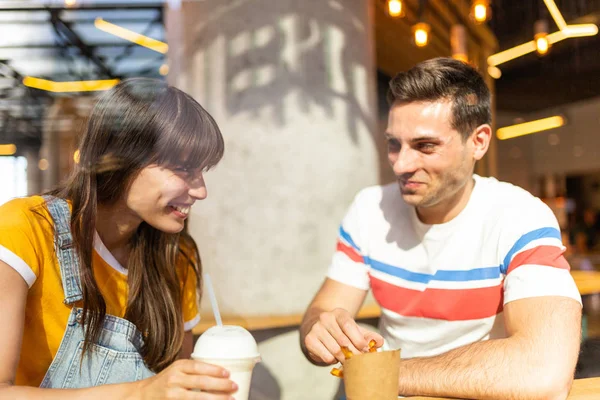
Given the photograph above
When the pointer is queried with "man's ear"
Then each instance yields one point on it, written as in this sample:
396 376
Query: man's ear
480 140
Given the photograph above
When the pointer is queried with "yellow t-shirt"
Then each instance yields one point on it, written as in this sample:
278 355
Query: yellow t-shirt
27 245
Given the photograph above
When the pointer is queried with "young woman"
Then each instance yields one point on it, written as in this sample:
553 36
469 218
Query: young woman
97 282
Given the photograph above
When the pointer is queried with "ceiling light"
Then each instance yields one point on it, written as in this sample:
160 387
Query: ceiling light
7 149
494 72
43 164
75 86
526 128
395 8
522 49
458 42
131 36
556 15
480 10
164 69
421 34
580 30
542 45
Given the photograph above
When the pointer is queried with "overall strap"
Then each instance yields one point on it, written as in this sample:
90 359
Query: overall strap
65 251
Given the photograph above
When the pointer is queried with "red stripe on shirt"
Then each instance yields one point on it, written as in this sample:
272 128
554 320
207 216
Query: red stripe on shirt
350 252
551 256
443 304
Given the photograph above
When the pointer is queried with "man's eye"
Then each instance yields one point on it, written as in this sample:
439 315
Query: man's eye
426 146
393 144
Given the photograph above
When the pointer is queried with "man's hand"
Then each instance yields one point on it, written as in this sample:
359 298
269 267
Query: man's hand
333 330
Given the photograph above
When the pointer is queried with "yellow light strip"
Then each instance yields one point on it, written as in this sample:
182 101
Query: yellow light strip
522 49
494 72
131 36
556 37
512 131
76 86
566 31
7 149
556 15
580 30
512 53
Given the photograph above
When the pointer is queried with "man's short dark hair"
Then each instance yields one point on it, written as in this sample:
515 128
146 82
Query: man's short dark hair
448 79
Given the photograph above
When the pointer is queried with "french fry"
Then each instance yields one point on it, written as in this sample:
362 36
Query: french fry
347 352
337 372
372 348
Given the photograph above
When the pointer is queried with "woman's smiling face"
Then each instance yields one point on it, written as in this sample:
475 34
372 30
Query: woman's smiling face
162 196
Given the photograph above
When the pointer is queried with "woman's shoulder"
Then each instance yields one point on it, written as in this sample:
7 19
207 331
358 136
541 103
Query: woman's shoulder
20 209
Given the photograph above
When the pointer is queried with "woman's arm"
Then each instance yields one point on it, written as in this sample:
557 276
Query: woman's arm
13 297
174 382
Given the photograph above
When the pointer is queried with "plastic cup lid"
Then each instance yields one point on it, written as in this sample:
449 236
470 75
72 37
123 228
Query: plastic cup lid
226 342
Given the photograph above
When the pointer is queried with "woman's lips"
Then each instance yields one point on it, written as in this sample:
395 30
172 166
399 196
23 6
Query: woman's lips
180 211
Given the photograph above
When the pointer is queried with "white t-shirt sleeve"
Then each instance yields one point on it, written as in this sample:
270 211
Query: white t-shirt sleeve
348 264
531 254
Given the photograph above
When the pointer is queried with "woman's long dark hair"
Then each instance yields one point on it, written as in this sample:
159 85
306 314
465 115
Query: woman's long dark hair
137 123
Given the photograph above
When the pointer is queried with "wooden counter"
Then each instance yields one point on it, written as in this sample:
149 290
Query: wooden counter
583 389
588 282
273 321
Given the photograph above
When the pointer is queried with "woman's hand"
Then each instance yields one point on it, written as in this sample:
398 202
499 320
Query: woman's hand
188 379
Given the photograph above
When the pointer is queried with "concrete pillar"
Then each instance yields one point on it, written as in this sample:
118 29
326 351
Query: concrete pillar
34 177
292 87
62 126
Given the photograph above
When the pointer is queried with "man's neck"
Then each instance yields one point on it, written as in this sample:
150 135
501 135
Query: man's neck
448 209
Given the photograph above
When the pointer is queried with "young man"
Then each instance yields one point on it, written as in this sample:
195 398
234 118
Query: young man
468 271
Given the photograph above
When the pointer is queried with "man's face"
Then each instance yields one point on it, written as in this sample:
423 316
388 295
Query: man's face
430 159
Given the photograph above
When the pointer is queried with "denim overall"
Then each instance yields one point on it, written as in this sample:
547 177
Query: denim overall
115 358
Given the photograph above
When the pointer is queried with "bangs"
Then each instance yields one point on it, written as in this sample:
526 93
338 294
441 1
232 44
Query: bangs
188 136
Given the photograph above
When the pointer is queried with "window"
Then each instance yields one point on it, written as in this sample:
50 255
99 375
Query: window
13 178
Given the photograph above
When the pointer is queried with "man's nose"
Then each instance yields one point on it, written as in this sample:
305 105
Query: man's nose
406 162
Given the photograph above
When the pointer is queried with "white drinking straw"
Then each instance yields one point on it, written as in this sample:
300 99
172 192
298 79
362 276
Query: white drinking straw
213 299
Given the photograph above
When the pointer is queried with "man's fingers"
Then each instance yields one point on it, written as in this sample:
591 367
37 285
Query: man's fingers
335 339
317 350
353 332
370 335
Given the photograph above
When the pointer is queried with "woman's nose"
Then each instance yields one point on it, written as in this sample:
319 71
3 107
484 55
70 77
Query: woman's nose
198 187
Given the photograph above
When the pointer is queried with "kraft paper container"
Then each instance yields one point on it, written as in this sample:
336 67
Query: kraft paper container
372 376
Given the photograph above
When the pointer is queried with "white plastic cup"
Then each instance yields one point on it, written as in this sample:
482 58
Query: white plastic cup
233 348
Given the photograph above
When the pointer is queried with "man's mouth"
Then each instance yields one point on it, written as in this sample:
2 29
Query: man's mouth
411 184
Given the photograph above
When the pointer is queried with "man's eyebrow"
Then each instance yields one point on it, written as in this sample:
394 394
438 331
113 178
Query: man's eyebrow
425 138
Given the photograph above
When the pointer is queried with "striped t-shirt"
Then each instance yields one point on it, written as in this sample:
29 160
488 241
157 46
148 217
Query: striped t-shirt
443 286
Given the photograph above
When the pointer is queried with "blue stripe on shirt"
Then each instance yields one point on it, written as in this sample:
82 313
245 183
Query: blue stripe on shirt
525 240
441 275
348 239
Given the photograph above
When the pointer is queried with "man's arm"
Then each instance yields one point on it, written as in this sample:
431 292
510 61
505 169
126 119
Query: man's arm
329 323
536 361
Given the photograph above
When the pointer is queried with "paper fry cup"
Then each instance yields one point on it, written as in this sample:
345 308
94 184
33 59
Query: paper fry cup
371 376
